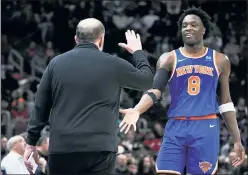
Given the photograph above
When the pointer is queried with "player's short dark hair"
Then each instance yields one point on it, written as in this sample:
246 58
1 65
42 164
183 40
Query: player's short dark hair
205 18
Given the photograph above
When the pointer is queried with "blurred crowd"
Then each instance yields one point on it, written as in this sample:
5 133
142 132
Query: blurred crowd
33 32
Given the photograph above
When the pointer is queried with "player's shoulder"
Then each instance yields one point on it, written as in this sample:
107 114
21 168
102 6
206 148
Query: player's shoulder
168 56
220 55
222 61
167 59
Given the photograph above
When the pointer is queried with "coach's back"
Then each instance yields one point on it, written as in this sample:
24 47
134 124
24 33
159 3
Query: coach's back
85 91
78 96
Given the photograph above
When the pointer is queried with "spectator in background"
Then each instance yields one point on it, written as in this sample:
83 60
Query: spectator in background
31 50
214 42
23 91
13 162
42 148
128 141
242 116
121 165
4 141
132 166
241 108
147 166
19 109
149 19
125 100
120 19
50 53
232 49
173 7
152 142
20 126
5 47
45 25
24 135
158 130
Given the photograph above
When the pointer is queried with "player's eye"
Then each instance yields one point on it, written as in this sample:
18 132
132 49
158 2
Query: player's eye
194 25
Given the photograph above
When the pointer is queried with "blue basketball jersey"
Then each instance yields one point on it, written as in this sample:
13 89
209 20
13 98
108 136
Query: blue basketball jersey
193 85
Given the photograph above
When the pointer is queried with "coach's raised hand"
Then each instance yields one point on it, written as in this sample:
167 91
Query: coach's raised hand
133 42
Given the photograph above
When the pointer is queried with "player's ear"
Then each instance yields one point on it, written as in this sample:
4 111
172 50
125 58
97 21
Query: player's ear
76 40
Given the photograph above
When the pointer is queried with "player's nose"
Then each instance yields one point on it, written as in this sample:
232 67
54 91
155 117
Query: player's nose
189 30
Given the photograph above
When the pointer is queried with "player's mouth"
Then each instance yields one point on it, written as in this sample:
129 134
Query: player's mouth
188 35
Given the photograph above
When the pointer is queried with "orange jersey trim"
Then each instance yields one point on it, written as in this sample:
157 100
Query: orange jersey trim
192 56
174 65
215 64
212 116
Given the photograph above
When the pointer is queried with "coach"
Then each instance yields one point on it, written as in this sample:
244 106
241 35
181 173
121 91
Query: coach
79 97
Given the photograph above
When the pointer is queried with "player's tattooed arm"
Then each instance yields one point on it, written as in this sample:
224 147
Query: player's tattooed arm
225 97
166 62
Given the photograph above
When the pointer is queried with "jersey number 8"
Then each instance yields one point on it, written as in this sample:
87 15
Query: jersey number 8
194 83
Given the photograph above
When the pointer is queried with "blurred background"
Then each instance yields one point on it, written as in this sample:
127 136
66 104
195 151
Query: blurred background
33 32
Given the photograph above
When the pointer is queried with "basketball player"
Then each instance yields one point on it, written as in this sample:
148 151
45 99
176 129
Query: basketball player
192 72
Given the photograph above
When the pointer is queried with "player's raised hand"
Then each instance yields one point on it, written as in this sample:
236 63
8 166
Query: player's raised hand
133 42
130 119
240 154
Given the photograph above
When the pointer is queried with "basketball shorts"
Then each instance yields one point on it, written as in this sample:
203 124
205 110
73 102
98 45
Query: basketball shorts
192 143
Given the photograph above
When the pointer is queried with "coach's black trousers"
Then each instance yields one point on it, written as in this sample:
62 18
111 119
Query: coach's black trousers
83 163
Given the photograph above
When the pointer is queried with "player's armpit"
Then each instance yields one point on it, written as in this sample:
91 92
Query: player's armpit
226 110
161 78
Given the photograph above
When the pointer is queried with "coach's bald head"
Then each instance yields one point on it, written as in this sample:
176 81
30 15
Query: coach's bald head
90 30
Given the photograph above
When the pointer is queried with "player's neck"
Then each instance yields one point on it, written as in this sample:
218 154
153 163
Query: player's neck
194 49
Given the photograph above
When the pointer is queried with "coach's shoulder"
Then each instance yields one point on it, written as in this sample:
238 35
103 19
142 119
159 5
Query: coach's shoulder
111 58
59 57
54 61
108 55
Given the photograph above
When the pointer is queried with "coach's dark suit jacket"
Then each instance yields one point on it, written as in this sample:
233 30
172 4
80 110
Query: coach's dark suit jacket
79 96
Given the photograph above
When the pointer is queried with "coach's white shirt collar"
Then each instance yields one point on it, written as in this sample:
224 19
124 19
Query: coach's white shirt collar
13 163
